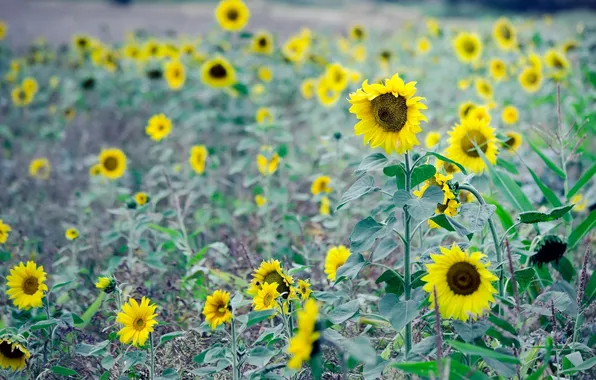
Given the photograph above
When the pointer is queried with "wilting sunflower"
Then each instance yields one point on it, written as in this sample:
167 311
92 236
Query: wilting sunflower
326 94
358 33
498 69
266 297
138 321
267 166
307 89
198 158
232 15
549 249
304 344
483 88
325 208
113 163
465 109
461 144
217 309
336 76
175 74
504 33
26 285
530 79
468 47
510 115
71 234
4 230
304 289
106 284
262 43
271 272
264 116
141 198
218 73
265 74
336 257
20 97
389 114
462 281
158 127
260 200
432 139
13 354
513 142
320 185
40 168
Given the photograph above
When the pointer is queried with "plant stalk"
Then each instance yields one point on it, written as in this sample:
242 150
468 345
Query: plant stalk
234 352
152 370
407 238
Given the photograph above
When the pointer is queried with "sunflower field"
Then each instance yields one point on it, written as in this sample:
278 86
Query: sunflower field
244 204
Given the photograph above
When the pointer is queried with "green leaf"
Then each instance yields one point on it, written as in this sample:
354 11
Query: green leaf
590 288
364 234
394 170
471 349
422 208
362 186
60 285
401 198
402 313
394 282
470 331
422 173
588 174
445 159
173 234
531 217
344 312
255 317
429 370
550 195
384 249
260 356
524 278
133 358
551 165
169 336
351 267
572 360
565 267
537 374
44 324
504 217
584 366
477 214
84 349
451 225
241 88
371 162
360 349
63 371
581 230
509 166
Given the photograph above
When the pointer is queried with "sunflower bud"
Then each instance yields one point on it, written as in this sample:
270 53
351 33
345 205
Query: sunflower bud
107 284
550 248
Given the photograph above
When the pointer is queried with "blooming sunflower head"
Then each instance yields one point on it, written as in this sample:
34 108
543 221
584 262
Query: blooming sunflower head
530 79
71 234
336 257
580 204
262 43
218 73
307 88
510 115
468 47
357 33
40 168
266 297
304 344
217 309
13 352
112 163
198 158
304 289
336 76
107 284
264 116
484 88
513 141
158 127
271 272
26 285
265 74
389 114
465 137
4 230
260 200
267 162
20 97
232 15
504 34
175 74
498 69
432 139
141 198
321 185
549 249
138 320
462 281
326 94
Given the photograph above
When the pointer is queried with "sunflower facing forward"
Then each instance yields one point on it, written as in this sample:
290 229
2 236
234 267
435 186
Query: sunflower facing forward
462 281
175 74
218 73
13 353
113 163
468 47
504 34
461 144
531 79
138 321
262 43
232 15
198 158
26 287
271 272
40 168
389 114
217 309
158 127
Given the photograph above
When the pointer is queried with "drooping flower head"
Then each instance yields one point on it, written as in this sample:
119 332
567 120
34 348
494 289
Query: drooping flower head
13 353
550 249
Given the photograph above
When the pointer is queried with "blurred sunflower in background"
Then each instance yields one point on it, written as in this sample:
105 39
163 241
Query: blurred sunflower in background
530 79
112 163
26 285
264 116
498 69
4 230
175 74
483 88
218 72
20 97
71 234
461 144
326 95
198 158
141 198
304 344
321 185
158 127
513 141
510 115
232 15
468 47
40 168
336 257
268 162
357 33
465 109
504 34
262 43
307 88
3 29
558 63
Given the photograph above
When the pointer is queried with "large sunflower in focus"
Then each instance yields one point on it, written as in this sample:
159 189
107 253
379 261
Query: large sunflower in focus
462 282
232 15
462 139
504 34
468 47
218 72
389 114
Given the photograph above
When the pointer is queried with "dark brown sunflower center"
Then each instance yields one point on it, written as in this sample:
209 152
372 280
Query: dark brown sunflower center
385 55
233 14
262 42
532 78
510 142
557 63
474 137
282 288
469 46
467 109
339 76
390 112
7 351
82 42
463 278
21 95
506 32
218 71
110 163
358 32
139 323
30 285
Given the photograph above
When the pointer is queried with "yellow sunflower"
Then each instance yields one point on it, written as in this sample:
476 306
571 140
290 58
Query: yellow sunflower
579 202
4 230
271 272
468 47
304 289
307 89
325 208
432 139
158 127
3 29
336 257
198 158
260 200
175 74
13 354
20 97
498 69
535 61
217 309
95 170
305 341
106 284
326 94
559 64
232 15
480 113
112 163
465 109
82 43
296 48
320 185
510 115
267 166
265 74
385 57
218 73
513 142
530 79
336 76
359 53
141 198
462 281
504 34
262 43
30 85
483 88
463 84
423 45
138 321
40 168
461 144
264 116
358 33
71 234
389 114
569 46
152 49
26 285
433 27
266 297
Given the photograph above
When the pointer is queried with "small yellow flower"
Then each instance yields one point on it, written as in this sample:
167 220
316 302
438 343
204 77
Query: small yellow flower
26 285
424 45
267 166
138 321
260 200
95 170
336 257
40 168
304 289
303 343
20 97
325 208
54 82
217 309
320 185
264 116
198 158
112 163
257 89
262 43
218 72
158 127
509 115
265 74
463 84
71 234
4 230
307 89
580 202
175 74
3 29
432 139
483 88
30 85
141 198
232 15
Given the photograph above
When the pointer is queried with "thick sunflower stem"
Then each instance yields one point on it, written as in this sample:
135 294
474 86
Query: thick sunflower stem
234 352
407 237
152 369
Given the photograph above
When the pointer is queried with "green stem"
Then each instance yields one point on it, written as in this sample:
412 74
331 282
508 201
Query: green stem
234 352
152 371
407 237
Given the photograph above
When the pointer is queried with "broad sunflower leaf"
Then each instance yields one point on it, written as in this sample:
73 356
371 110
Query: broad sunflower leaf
509 166
384 249
364 234
402 313
351 267
362 186
471 349
169 336
477 214
451 225
429 370
531 217
504 217
371 162
344 312
255 317
63 371
582 367
422 173
470 332
401 198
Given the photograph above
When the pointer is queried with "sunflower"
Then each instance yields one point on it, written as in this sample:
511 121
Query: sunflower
69 113
30 86
480 113
232 15
468 47
40 168
138 321
260 200
20 97
267 166
461 144
304 344
357 33
158 127
336 77
82 43
264 116
175 74
510 115
13 353
4 230
535 61
320 185
389 114
141 198
465 109
423 45
26 285
504 33
217 309
569 46
336 257
385 57
513 142
304 289
95 170
580 203
71 234
498 69
462 282
483 88
557 62
550 248
198 158
262 43
3 28
441 181
433 27
218 73
265 74
266 297
359 53
271 272
463 84
307 88
432 139
112 163
530 79
296 48
152 50
106 284
326 94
